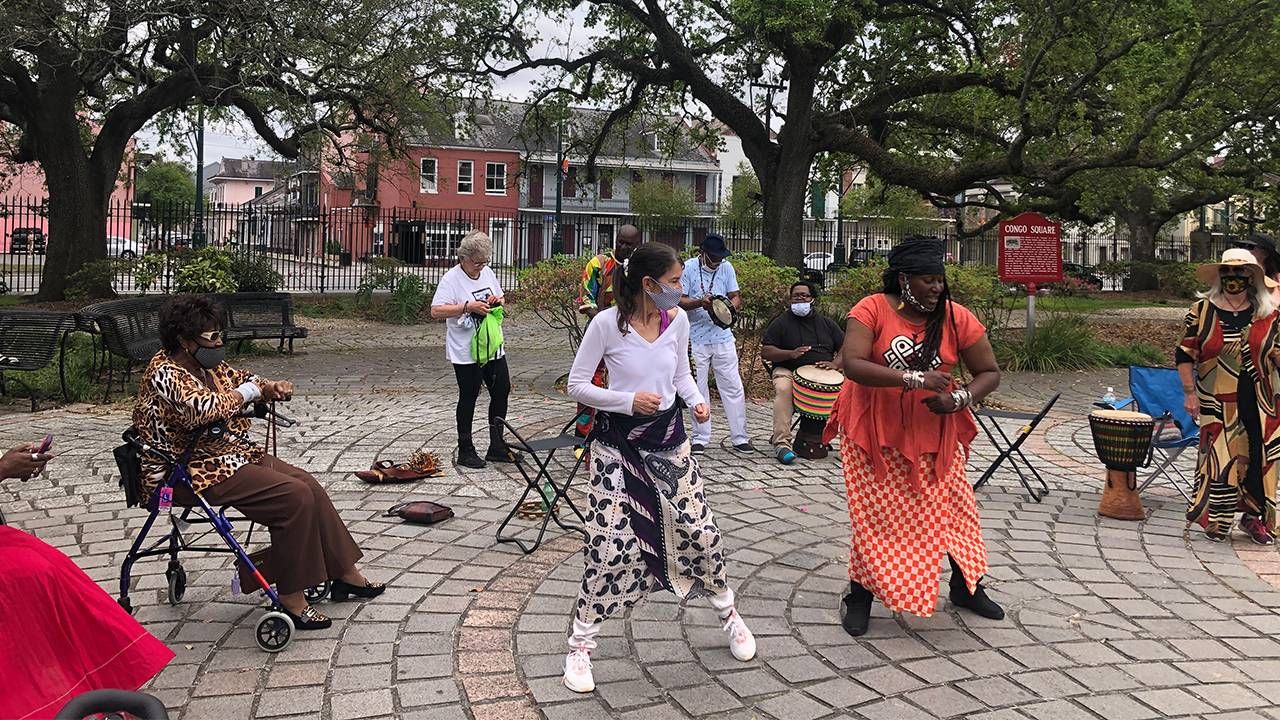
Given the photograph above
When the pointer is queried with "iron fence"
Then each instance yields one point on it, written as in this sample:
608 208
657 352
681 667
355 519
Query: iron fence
329 249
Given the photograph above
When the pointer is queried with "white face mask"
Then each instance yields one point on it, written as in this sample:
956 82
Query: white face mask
801 309
666 298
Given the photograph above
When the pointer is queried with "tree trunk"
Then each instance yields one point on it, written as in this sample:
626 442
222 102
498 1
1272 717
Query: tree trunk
784 188
78 196
1142 251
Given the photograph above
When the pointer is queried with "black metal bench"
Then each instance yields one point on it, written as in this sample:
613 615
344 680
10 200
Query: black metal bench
28 341
260 316
130 330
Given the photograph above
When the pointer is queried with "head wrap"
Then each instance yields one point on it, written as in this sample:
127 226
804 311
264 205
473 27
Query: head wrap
920 256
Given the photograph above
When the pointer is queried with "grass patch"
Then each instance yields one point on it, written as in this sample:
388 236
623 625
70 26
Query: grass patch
1068 342
1090 304
338 306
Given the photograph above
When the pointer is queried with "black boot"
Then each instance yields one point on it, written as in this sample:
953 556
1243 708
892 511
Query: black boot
855 610
468 458
499 451
978 602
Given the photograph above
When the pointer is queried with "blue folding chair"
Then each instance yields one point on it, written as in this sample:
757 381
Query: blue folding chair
1158 392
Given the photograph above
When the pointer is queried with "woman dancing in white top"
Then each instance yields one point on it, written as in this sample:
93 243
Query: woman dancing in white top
649 526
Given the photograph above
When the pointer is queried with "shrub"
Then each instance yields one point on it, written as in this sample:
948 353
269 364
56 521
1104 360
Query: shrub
253 273
407 300
381 273
974 286
1070 287
763 285
207 270
148 269
1140 354
332 247
1061 342
1177 278
550 289
92 281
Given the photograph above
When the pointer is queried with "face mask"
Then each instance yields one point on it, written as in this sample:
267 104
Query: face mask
910 298
208 357
801 309
667 298
1236 284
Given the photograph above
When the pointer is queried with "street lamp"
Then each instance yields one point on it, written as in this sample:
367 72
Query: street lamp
197 228
755 71
838 256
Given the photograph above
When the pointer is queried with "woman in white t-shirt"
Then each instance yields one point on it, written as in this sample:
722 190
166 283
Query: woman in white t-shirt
465 295
649 525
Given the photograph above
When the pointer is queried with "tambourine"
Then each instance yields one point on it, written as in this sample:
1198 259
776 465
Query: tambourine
722 312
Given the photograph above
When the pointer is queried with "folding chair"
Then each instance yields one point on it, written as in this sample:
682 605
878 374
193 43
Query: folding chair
1158 392
542 452
1011 450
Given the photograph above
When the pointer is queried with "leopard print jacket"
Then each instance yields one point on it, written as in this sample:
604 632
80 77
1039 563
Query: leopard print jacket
173 404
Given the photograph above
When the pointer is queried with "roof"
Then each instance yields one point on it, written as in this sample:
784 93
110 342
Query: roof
248 169
500 124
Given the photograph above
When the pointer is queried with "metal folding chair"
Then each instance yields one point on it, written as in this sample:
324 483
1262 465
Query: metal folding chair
1011 449
542 452
1157 392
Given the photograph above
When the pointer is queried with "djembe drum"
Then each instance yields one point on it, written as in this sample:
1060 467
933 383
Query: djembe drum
1122 440
813 392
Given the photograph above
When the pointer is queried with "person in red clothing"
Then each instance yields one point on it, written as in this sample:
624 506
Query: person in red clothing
905 429
60 634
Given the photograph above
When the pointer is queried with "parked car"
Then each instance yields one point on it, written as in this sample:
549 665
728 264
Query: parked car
819 261
123 247
26 240
1083 274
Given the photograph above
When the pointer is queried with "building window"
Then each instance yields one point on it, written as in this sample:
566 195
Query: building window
427 175
495 178
570 186
466 183
499 233
700 188
606 187
257 191
669 179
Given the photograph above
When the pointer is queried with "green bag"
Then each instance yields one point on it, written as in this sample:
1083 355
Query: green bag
487 340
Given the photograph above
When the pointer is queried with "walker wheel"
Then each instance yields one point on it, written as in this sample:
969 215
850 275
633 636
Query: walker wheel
317 593
177 583
274 631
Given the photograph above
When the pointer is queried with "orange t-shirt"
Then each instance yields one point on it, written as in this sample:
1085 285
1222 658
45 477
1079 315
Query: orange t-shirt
892 417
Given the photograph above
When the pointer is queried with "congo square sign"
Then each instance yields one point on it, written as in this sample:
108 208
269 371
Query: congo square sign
1030 250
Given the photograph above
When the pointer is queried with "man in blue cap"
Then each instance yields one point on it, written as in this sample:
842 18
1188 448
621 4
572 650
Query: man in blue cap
706 276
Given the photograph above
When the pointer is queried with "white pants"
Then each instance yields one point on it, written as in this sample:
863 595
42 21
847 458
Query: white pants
723 359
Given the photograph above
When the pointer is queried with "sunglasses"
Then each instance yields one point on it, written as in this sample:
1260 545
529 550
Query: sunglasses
211 336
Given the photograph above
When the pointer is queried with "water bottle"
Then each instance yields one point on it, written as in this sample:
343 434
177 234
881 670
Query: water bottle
1109 397
548 493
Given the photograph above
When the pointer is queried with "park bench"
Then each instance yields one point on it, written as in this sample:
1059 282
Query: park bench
28 341
260 316
129 329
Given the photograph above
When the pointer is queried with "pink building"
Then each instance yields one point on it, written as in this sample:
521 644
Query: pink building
234 181
23 196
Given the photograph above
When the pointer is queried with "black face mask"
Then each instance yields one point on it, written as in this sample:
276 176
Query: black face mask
210 357
1236 284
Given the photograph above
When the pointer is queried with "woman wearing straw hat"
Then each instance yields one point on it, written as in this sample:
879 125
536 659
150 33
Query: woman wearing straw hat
1264 251
1227 362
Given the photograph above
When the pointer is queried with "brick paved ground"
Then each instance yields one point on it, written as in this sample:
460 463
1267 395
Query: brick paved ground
1107 619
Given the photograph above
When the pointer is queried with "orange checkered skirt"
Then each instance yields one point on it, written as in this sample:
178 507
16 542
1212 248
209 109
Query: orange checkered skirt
900 535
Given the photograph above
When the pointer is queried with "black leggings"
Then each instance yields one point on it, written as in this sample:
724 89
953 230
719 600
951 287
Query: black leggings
495 377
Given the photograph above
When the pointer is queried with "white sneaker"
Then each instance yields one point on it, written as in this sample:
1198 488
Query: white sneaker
741 642
577 670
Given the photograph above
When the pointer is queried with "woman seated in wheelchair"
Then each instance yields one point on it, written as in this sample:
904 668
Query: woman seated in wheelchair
187 387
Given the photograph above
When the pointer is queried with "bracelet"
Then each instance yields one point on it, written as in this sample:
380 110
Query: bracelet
962 398
913 379
464 308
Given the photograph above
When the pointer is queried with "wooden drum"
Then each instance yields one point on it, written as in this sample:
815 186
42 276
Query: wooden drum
814 391
1122 440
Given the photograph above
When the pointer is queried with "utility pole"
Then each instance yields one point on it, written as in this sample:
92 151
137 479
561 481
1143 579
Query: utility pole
560 170
197 227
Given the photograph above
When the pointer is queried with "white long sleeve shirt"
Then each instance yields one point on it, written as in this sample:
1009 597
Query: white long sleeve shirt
635 365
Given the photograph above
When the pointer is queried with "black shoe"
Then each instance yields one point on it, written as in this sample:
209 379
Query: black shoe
501 454
697 448
341 591
469 459
978 602
855 610
745 447
309 619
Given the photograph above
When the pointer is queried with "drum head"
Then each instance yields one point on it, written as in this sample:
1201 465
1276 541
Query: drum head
722 312
815 374
1120 415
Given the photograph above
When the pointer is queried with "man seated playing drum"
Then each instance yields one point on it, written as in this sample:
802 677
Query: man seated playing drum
797 338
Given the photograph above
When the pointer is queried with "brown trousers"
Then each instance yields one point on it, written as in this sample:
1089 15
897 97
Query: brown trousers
309 543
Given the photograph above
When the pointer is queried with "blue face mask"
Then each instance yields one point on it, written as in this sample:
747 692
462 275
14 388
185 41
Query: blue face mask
801 309
666 298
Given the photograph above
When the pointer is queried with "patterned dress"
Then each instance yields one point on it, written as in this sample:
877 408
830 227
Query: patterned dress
904 468
1239 428
173 405
596 294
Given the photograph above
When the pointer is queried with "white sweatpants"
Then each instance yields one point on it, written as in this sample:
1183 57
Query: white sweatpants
722 358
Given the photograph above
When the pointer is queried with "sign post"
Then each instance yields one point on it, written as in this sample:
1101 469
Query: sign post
1030 252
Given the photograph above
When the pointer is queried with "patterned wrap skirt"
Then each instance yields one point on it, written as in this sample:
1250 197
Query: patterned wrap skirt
900 535
648 523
